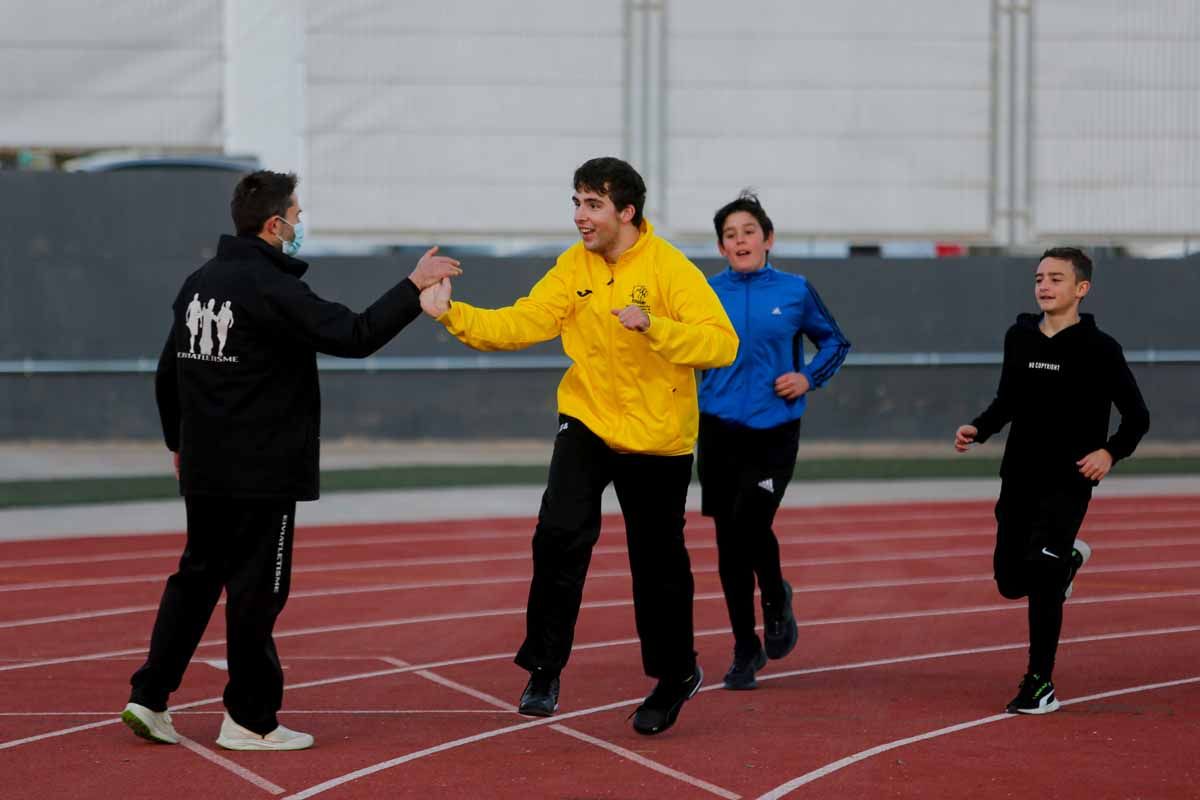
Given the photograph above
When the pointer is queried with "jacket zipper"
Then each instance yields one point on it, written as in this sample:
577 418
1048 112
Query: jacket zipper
612 365
746 311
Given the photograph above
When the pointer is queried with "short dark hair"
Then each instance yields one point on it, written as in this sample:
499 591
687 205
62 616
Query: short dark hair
746 201
1079 260
617 180
260 196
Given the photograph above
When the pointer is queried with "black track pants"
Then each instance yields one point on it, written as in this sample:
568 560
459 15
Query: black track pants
652 491
245 548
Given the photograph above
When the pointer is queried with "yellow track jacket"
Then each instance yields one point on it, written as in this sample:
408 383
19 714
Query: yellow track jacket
636 391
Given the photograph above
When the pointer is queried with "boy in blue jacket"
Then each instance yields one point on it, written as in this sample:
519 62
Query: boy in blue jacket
1060 379
750 426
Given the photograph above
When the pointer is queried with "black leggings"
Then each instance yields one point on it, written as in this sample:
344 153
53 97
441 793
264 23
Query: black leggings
744 473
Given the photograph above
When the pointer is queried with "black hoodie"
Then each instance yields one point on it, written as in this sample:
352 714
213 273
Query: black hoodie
1058 392
237 381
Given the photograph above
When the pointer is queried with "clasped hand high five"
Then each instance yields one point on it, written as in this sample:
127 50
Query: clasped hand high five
433 268
435 301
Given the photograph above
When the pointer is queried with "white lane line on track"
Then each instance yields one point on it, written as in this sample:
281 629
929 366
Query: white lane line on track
985 523
451 745
979 609
600 574
333 783
637 758
232 766
611 747
348 712
52 734
715 596
607 550
828 769
761 676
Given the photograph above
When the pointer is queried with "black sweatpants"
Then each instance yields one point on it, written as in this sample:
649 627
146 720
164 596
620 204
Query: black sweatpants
652 491
244 547
1036 524
744 473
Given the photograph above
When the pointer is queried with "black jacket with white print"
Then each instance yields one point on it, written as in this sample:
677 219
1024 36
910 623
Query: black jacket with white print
237 384
1058 393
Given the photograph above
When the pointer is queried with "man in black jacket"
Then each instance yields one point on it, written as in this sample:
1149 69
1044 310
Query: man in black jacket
243 423
1060 379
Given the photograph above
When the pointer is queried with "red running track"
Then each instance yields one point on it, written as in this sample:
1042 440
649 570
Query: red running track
398 644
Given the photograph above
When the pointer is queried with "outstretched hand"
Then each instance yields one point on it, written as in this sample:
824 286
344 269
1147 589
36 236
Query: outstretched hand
633 317
435 300
433 268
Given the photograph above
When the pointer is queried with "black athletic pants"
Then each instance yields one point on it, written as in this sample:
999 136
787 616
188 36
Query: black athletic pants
743 475
245 548
1036 523
652 491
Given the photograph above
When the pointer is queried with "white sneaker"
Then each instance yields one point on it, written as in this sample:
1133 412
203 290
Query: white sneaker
235 737
152 725
1085 552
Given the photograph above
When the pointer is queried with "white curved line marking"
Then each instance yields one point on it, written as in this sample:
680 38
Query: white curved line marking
806 523
597 574
596 645
389 623
816 774
333 783
394 564
615 749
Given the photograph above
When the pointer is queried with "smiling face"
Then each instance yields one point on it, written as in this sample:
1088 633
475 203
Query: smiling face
1057 287
599 222
743 243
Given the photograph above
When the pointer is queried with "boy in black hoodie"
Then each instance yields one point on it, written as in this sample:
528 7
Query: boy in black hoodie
1060 379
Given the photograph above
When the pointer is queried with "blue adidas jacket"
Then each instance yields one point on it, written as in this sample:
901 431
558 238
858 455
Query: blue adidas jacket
770 311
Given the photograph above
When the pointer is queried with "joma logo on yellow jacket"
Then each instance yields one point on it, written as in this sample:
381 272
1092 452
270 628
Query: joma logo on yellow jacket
636 391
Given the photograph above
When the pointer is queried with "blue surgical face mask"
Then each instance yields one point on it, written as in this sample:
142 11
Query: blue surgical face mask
293 247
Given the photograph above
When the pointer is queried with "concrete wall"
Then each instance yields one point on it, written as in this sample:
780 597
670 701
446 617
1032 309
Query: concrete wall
146 73
859 119
1116 124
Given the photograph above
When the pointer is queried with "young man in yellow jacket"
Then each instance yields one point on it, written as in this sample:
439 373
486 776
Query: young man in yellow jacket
636 319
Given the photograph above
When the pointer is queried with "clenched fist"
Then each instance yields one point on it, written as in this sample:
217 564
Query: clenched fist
633 317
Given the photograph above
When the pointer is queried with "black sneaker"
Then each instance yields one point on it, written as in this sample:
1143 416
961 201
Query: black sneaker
1080 553
779 625
540 698
746 662
660 710
1036 696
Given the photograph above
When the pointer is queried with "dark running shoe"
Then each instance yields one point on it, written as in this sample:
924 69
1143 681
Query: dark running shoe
779 625
660 710
746 662
1036 696
540 698
1080 554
